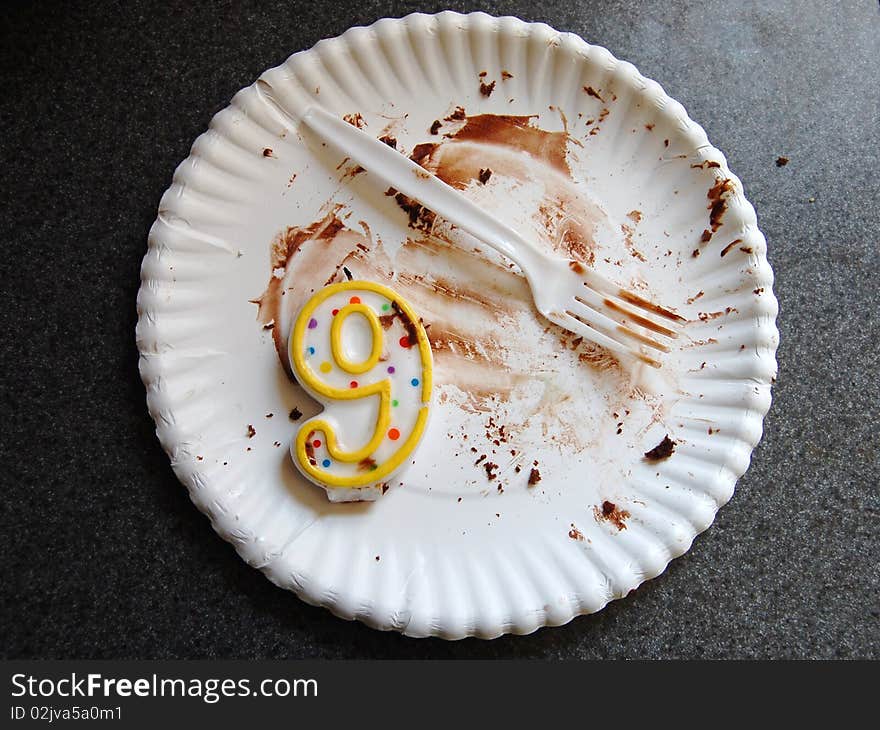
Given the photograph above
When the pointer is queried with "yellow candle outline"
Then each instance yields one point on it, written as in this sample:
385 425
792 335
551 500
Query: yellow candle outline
306 375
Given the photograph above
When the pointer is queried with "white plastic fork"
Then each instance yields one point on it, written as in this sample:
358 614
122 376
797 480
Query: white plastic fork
565 291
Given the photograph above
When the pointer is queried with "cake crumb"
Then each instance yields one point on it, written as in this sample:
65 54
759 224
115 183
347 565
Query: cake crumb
534 477
485 174
487 89
435 126
610 512
251 431
781 161
663 450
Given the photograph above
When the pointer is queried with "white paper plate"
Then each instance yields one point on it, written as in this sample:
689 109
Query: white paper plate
619 175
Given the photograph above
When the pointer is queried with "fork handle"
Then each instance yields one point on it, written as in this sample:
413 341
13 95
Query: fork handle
415 182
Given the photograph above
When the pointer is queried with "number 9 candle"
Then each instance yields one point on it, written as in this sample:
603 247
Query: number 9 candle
358 348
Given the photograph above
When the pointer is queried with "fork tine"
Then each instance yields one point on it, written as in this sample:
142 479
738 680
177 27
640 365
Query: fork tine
575 324
597 283
635 299
648 324
596 320
593 307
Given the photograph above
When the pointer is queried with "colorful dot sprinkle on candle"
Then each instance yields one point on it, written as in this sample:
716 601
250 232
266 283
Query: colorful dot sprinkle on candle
325 463
391 369
414 381
404 341
354 300
311 351
325 367
316 443
334 312
386 307
353 384
313 323
393 434
395 403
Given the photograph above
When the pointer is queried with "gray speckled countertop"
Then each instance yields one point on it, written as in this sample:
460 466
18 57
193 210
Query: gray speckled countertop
103 553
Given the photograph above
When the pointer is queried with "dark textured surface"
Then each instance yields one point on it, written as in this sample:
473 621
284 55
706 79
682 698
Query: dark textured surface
103 554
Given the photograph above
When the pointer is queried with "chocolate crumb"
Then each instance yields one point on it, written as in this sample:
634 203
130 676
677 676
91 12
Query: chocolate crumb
729 246
457 115
377 558
346 272
355 120
483 74
592 92
610 512
707 236
487 89
389 140
781 161
575 534
481 457
718 195
295 414
517 468
269 326
251 431
491 468
435 126
384 488
534 477
663 450
506 75
267 152
485 174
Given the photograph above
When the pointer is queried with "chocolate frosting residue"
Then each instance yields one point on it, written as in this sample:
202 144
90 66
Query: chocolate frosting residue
473 306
